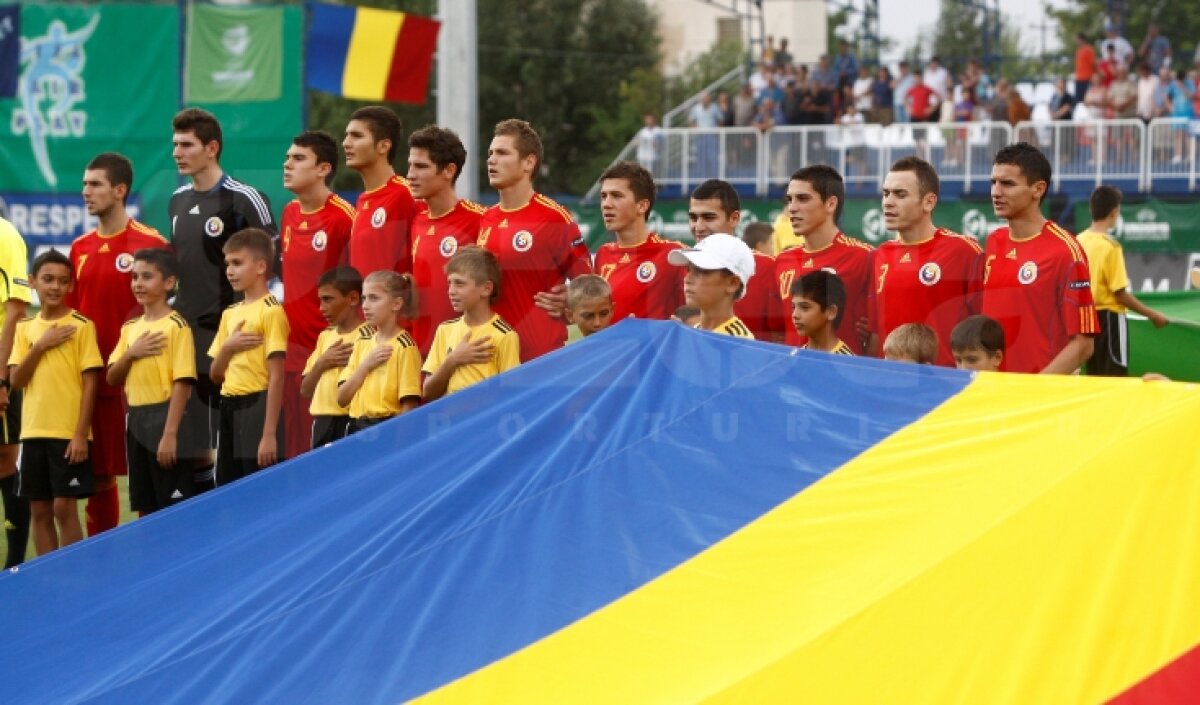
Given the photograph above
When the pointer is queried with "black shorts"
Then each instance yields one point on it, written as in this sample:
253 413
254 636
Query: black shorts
45 473
327 429
240 432
1110 357
151 486
10 427
203 412
365 422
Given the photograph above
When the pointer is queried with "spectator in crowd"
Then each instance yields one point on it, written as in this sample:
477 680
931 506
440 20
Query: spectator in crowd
1179 96
793 103
861 91
1119 45
1000 104
938 79
1018 109
976 77
851 121
845 65
1155 50
1122 96
772 91
759 79
1162 103
922 101
783 57
768 55
1108 67
882 98
769 115
704 114
824 77
1147 87
1085 65
726 109
743 106
648 139
1062 105
901 85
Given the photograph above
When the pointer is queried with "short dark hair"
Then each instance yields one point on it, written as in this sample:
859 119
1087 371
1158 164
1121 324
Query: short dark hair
722 191
344 279
827 182
640 181
201 123
1033 164
444 147
160 258
757 233
256 241
526 139
927 177
383 124
977 333
51 256
117 169
823 288
478 264
1104 200
323 146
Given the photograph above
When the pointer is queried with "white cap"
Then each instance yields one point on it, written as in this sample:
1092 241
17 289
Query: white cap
716 252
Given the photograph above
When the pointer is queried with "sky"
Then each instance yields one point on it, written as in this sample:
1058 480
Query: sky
903 20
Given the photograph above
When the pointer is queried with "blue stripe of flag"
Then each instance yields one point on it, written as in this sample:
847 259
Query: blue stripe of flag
329 32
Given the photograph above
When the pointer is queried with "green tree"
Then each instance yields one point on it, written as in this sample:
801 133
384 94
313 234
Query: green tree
1179 21
956 38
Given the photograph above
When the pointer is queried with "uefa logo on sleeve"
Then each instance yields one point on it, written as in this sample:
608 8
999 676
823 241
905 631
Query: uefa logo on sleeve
930 274
448 246
378 218
523 241
646 272
1028 273
124 263
214 226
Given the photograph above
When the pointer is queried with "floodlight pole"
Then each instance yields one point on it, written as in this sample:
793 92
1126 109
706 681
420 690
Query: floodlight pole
458 84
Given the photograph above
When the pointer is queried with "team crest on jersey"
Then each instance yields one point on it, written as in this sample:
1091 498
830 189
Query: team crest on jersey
320 240
930 274
379 217
646 272
214 226
448 246
124 263
523 241
1028 273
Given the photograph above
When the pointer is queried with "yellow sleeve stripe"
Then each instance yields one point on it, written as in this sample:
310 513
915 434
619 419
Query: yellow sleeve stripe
554 206
473 206
147 230
1070 241
343 206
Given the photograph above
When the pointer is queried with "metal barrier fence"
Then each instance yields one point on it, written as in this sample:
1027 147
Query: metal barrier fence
1164 154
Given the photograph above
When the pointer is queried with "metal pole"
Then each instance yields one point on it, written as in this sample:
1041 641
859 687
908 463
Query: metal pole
458 85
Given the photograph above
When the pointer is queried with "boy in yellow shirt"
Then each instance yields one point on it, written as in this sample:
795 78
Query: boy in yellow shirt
247 360
382 378
719 270
339 292
818 303
155 360
56 359
478 344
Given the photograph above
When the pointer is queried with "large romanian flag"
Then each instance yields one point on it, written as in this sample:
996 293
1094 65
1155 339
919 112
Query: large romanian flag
663 515
369 54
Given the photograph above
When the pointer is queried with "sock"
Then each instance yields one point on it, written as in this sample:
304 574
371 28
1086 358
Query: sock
103 510
16 521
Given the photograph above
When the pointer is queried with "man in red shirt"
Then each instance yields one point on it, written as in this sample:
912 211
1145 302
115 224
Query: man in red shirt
443 223
103 263
813 201
644 284
381 237
1036 283
315 238
535 240
928 274
714 207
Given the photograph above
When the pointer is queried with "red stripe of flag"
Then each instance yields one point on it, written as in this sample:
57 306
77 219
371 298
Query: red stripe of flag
408 80
1177 682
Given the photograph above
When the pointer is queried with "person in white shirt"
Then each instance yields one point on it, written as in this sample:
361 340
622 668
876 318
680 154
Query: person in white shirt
1120 45
863 100
647 143
1147 87
938 78
704 114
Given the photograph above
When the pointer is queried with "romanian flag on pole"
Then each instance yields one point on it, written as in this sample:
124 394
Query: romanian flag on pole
369 54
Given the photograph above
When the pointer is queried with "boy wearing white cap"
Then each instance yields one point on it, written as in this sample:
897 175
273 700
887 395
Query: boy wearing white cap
719 268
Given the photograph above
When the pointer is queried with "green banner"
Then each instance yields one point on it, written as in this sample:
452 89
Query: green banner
1152 226
234 54
1169 351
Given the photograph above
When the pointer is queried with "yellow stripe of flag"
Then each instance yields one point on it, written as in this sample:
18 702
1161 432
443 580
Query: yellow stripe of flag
1046 561
369 58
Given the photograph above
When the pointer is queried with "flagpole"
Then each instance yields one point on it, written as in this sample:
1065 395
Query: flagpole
458 84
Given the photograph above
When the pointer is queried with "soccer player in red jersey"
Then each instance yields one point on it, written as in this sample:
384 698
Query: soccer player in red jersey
814 200
381 238
757 308
928 275
103 264
714 207
535 240
443 223
315 238
1035 281
643 283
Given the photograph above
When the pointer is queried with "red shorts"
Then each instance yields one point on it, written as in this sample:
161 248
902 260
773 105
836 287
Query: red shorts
297 423
108 436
